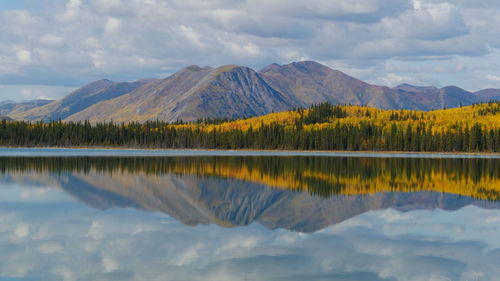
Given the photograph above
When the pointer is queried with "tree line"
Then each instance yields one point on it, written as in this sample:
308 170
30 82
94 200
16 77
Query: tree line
323 176
318 128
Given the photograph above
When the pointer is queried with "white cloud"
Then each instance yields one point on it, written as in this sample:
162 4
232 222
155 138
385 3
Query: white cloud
21 231
109 264
93 42
238 244
52 40
492 220
49 248
427 22
243 50
188 256
72 10
95 230
112 25
191 34
493 78
109 5
18 18
393 80
65 273
24 56
30 92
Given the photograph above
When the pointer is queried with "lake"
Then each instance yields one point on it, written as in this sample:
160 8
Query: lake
247 215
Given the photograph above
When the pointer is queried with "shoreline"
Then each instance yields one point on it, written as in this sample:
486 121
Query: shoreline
130 151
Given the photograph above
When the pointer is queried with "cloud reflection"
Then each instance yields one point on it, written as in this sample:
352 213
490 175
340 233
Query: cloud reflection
80 243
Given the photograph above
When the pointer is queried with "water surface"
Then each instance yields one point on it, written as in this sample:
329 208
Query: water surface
70 152
68 215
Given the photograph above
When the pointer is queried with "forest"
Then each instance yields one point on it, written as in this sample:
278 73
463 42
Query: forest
323 126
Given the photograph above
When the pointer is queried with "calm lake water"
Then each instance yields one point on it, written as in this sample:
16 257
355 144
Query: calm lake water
204 215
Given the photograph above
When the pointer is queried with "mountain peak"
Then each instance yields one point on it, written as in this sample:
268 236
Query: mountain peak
413 88
228 91
193 68
307 68
308 65
453 88
231 68
270 67
404 85
93 86
196 68
228 67
101 82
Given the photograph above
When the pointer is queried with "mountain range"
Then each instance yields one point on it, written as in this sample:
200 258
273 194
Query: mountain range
235 92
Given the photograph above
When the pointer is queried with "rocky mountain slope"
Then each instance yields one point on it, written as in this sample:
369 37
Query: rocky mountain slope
79 100
235 92
15 108
193 93
311 83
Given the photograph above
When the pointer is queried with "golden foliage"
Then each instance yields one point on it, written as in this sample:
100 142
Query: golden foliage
487 115
487 188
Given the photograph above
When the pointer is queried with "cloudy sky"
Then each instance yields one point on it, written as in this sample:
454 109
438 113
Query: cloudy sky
48 47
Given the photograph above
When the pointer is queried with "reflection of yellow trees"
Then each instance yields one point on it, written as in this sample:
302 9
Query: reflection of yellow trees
321 183
323 176
487 188
283 180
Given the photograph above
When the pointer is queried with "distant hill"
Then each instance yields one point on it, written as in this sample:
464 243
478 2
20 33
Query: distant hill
79 100
6 102
488 94
431 98
237 92
14 108
5 118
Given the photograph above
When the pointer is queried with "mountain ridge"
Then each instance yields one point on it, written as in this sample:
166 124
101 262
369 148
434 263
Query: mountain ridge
9 107
228 91
314 83
233 91
488 94
79 99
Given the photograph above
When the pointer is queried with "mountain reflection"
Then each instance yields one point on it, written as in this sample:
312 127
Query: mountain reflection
297 193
